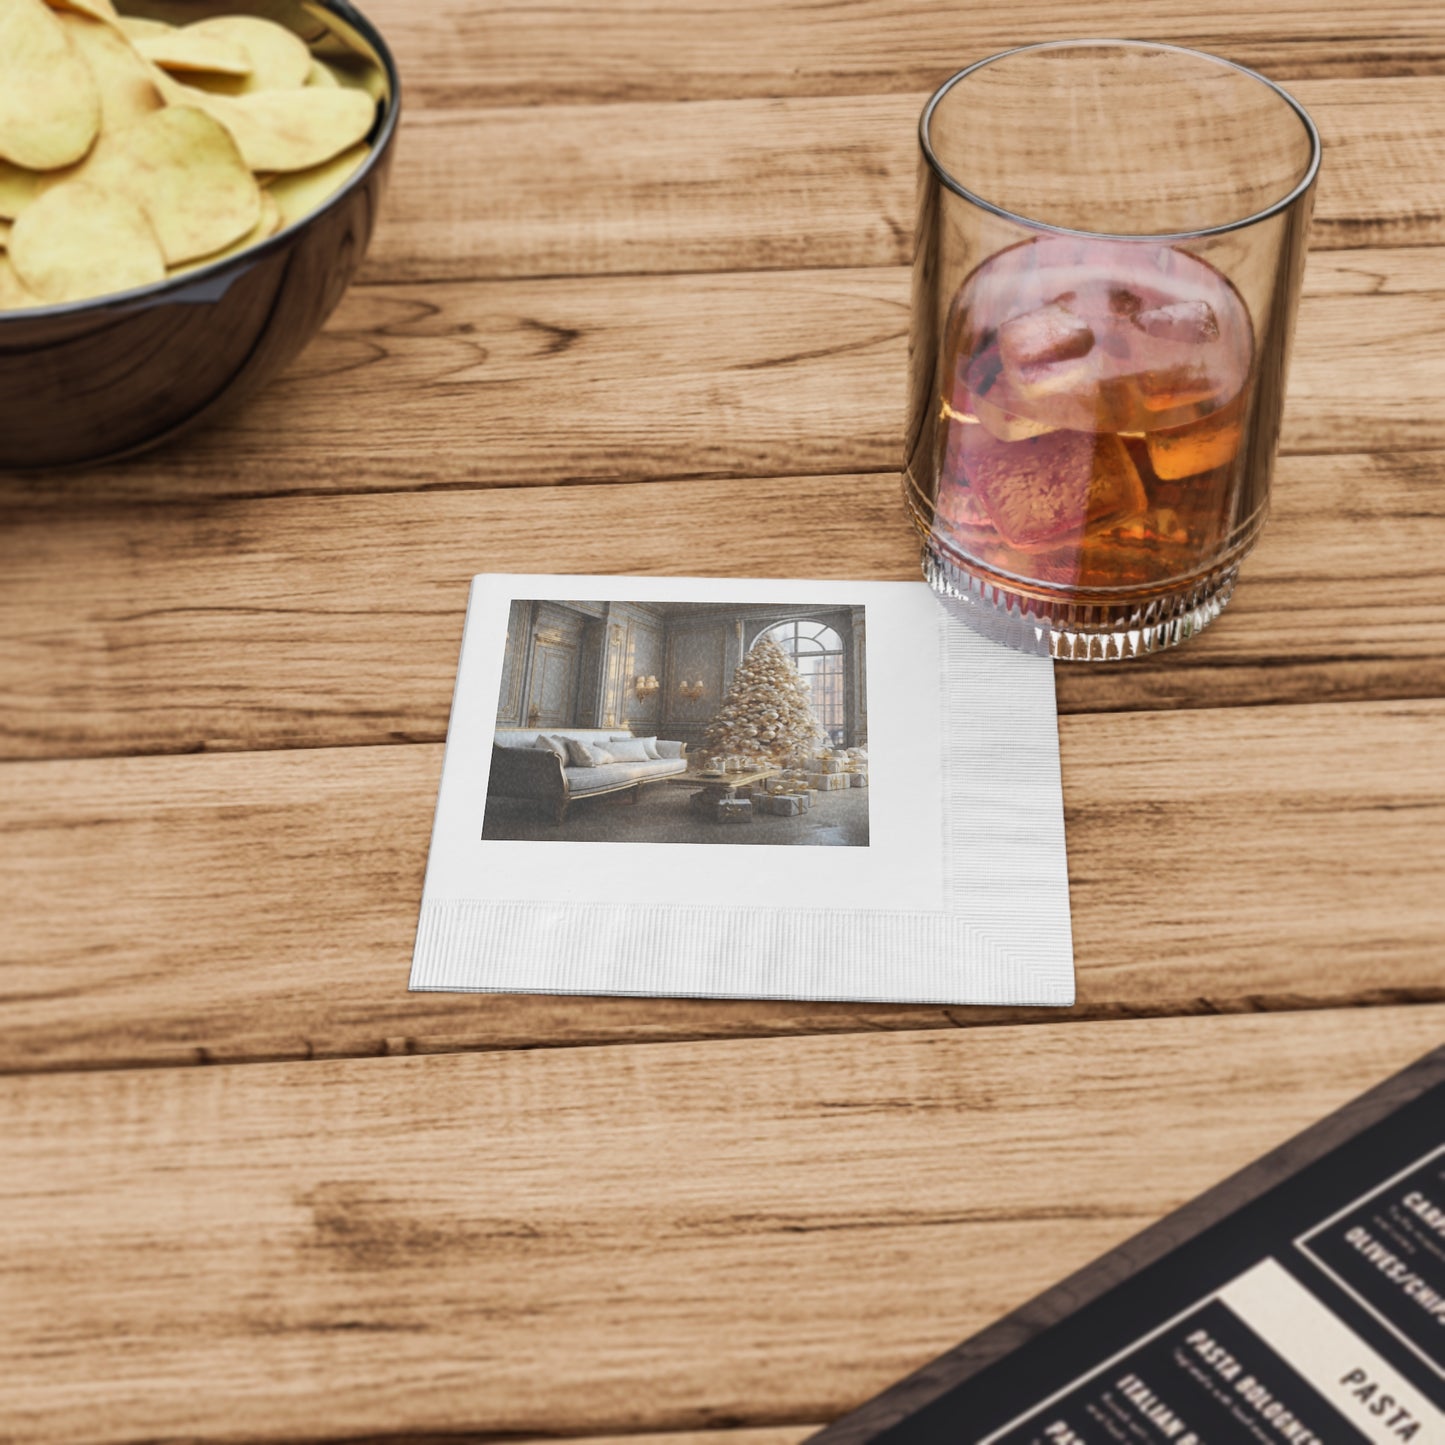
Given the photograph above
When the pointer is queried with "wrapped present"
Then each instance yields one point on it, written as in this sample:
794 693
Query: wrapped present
829 765
734 810
858 779
789 805
828 782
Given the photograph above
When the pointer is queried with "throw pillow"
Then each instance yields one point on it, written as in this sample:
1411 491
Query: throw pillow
666 749
627 750
649 743
579 754
551 745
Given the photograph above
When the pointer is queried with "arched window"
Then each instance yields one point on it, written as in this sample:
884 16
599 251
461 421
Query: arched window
818 651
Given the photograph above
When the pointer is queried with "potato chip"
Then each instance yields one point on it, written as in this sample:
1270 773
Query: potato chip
49 105
181 167
18 187
134 27
279 59
78 241
298 193
96 9
263 230
127 93
352 72
282 130
13 295
190 49
131 148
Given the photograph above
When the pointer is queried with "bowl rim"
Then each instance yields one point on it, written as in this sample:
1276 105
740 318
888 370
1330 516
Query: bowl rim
206 272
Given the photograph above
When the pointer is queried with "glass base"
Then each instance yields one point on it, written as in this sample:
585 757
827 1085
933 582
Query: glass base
1095 631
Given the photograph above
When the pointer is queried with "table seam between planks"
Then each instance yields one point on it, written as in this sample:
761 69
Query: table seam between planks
955 1020
768 1424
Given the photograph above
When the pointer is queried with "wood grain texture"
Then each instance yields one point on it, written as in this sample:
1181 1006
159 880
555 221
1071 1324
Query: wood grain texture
642 263
520 384
455 53
731 185
307 622
1118 1269
587 1240
261 906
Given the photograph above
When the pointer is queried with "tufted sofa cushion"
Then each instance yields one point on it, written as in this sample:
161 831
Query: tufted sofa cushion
581 781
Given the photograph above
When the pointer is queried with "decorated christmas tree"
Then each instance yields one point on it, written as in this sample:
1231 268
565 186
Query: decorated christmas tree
766 712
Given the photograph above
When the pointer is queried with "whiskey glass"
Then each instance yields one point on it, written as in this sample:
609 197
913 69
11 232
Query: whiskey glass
1111 236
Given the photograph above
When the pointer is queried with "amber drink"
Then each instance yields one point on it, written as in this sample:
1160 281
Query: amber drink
1096 415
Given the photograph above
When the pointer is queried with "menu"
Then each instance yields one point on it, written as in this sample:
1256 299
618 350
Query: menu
1300 1303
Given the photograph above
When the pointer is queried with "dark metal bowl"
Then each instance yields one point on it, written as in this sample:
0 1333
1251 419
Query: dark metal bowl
97 379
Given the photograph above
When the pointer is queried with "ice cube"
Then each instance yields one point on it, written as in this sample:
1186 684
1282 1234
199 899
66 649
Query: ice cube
1042 337
1169 377
1007 426
990 399
983 371
1193 322
1185 451
1123 302
1171 388
1045 490
959 510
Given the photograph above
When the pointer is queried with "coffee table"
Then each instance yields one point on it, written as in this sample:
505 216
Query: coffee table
717 786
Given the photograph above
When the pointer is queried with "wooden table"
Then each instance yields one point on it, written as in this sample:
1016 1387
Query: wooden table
642 264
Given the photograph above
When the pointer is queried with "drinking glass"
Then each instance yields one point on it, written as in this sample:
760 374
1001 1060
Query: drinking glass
1110 241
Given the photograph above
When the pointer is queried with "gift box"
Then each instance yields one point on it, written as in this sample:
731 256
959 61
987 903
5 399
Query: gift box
829 765
789 805
858 780
828 782
734 810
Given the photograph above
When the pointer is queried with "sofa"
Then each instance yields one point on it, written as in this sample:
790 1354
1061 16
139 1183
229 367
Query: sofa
520 769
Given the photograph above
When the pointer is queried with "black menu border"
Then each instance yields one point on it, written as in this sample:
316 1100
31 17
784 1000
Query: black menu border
1154 1246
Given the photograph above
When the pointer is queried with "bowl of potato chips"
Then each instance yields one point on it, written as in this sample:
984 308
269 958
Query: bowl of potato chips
186 190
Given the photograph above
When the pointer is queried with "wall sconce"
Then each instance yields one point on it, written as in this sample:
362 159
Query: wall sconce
691 690
645 687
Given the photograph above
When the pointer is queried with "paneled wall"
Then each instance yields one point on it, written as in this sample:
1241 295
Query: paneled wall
702 649
583 659
542 670
635 648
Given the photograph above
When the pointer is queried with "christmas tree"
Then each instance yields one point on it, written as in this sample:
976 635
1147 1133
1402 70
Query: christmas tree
766 713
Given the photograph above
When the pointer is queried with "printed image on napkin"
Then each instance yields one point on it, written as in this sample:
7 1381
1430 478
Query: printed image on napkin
745 789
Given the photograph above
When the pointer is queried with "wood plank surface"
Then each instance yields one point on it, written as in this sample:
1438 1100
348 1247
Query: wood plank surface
515 384
643 265
730 185
573 1241
455 53
304 622
1137 1268
262 906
